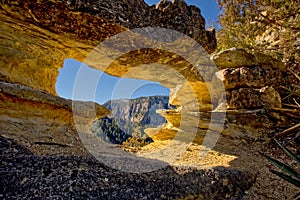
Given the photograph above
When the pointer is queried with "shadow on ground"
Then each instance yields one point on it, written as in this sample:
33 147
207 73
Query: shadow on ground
24 175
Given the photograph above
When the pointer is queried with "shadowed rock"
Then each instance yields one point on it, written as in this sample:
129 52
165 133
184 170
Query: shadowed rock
25 175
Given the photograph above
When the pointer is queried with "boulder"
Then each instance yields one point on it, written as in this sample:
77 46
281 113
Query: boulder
237 57
250 98
251 81
252 76
232 58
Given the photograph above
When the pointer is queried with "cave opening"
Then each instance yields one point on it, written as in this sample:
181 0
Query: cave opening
133 103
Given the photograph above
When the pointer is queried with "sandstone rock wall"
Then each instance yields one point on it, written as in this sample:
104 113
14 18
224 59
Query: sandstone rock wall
37 37
251 81
251 93
174 15
41 121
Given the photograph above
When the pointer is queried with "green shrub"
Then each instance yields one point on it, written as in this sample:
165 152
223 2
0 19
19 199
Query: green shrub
288 173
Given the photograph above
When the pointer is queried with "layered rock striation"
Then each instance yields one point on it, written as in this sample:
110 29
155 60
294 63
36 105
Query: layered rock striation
42 122
251 98
251 80
36 37
141 110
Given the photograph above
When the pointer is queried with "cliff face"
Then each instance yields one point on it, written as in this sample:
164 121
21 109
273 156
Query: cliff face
140 111
129 118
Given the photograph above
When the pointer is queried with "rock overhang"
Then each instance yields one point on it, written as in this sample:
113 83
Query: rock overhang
37 37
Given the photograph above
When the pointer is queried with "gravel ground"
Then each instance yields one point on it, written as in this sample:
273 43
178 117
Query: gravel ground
243 154
24 175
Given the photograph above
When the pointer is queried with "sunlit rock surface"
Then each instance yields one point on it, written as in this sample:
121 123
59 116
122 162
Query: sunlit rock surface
36 37
35 43
41 121
251 84
251 80
236 57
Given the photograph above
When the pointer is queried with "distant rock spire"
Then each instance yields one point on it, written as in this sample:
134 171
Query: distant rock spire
178 1
168 4
163 4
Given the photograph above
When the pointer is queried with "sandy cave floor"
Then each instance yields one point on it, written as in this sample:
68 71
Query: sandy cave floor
244 155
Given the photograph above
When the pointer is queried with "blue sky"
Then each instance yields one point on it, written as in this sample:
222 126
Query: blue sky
109 87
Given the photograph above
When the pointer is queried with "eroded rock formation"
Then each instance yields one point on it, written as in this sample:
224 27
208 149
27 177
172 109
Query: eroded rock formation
41 121
251 81
174 15
251 97
36 37
35 44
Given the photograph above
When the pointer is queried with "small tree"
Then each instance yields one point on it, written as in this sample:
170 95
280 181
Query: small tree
268 26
